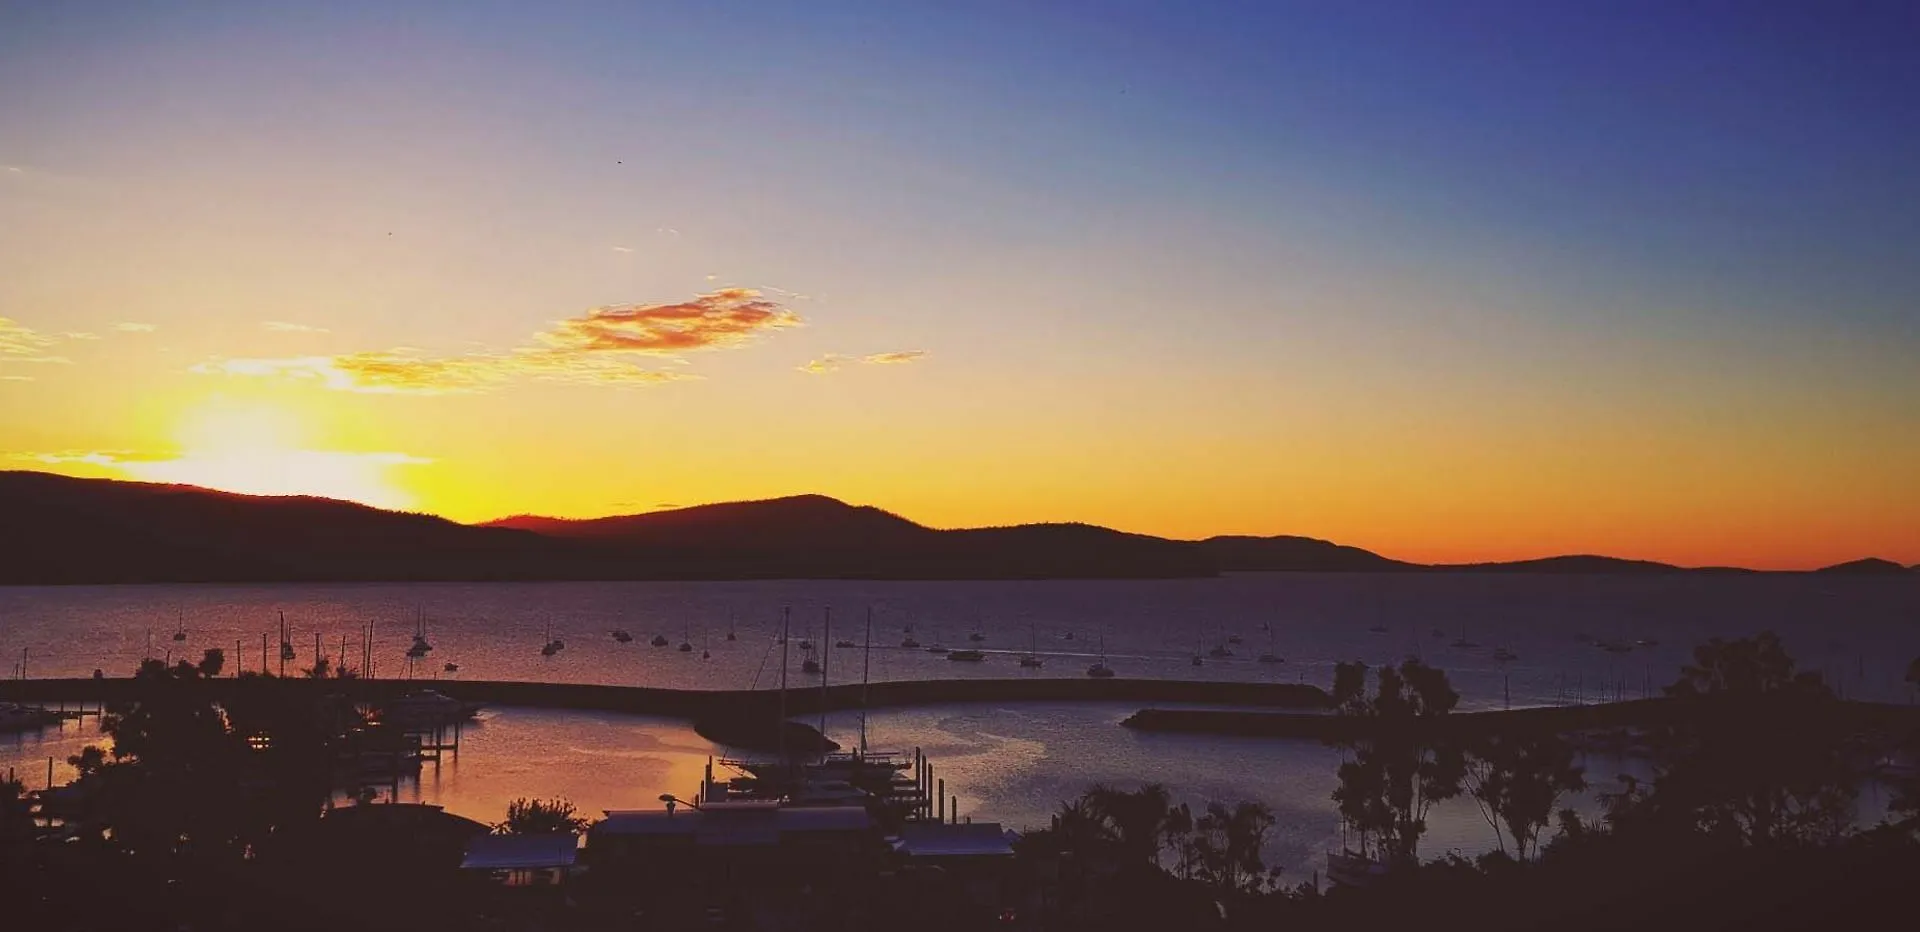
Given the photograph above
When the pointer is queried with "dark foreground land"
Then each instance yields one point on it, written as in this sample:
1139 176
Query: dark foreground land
212 813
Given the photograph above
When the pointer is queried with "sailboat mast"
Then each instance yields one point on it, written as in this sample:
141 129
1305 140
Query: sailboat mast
866 668
780 727
826 637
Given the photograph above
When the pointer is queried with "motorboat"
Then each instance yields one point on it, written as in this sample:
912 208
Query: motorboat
659 640
966 654
426 706
15 717
621 635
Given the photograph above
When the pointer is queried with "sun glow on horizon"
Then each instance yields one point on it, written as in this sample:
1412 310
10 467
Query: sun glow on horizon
256 448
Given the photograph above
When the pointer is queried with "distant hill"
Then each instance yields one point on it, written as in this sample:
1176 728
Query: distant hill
66 530
1873 566
772 525
1573 563
59 529
1247 554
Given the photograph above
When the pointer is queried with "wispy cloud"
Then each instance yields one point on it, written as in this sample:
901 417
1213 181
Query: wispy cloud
135 328
281 326
25 344
16 378
623 249
823 365
88 457
79 335
832 362
589 349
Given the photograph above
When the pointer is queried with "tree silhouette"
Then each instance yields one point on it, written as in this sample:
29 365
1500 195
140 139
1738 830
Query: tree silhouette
1517 781
1135 820
1756 759
540 817
1401 763
1229 841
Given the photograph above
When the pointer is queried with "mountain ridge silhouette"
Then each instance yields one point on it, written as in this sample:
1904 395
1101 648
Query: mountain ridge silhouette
67 530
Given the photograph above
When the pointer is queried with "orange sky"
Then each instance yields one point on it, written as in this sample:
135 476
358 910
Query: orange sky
499 265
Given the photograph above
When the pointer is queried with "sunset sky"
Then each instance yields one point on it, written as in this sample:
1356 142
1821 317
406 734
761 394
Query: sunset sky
1449 281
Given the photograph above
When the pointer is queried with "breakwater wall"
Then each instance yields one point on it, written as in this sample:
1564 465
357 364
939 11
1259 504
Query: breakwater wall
692 703
1860 717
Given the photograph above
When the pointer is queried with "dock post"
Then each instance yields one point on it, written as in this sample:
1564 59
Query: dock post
49 773
955 809
941 805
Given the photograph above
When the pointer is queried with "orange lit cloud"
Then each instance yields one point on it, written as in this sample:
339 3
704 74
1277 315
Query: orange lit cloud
895 358
723 318
281 326
584 350
135 328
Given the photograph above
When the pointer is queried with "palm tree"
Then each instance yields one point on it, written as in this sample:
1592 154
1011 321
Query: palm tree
1230 841
1135 820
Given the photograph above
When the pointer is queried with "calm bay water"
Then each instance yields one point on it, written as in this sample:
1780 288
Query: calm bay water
1007 762
1860 631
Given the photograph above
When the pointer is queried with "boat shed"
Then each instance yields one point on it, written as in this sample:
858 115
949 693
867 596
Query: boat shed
524 860
743 842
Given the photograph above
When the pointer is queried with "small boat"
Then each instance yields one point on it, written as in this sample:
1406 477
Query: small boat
1099 670
1378 629
1503 655
936 649
659 640
809 665
553 646
1220 652
1462 643
1354 870
1030 659
621 635
976 637
1647 642
1067 636
686 642
1233 639
1439 632
1197 661
1614 647
909 642
730 634
845 642
1269 656
451 667
967 653
806 644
